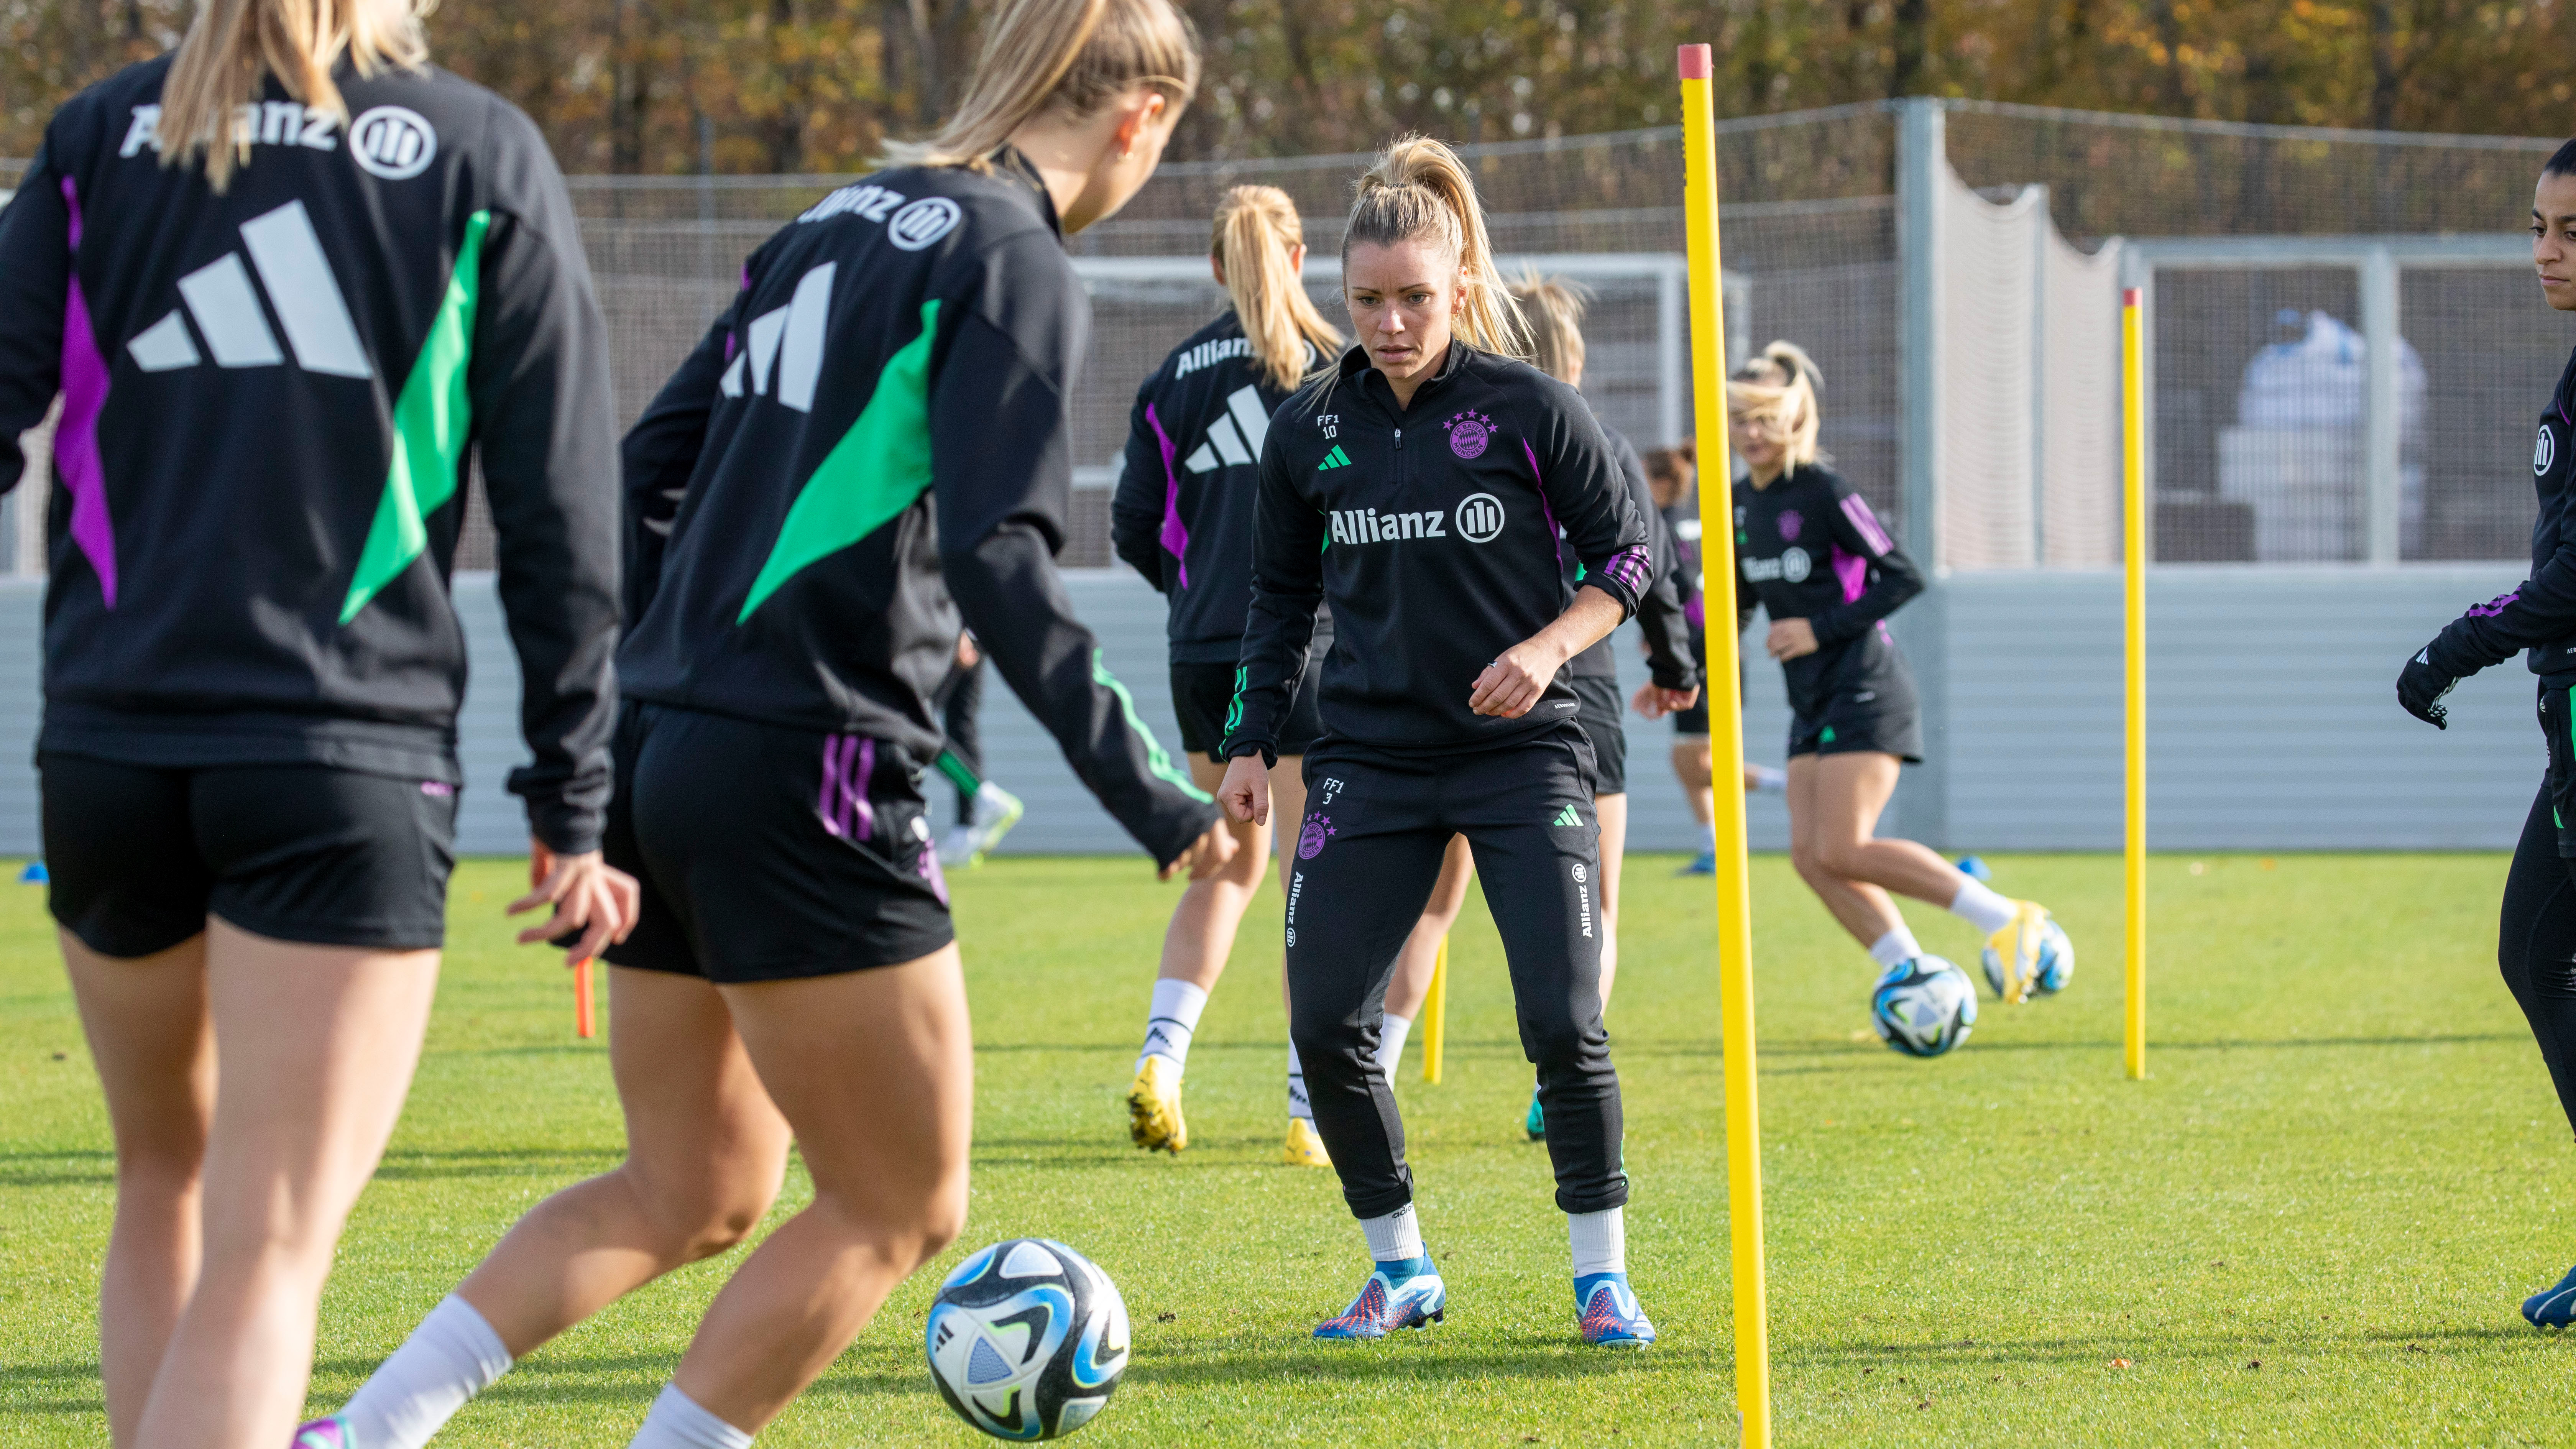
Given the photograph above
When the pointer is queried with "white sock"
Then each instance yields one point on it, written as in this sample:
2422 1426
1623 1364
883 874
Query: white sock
1395 1238
1979 906
1768 781
1175 1020
1708 838
1895 948
1390 1044
676 1422
1298 1107
1600 1241
452 1356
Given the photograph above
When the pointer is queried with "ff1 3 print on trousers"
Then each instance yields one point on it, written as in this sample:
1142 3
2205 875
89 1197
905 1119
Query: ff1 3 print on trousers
1368 853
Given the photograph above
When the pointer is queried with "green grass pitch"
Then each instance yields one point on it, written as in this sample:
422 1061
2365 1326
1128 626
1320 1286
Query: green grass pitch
2312 1225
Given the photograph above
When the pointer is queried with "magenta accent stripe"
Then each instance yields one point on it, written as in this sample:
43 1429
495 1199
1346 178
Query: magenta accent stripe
76 460
1176 534
732 333
1553 537
2493 607
1856 508
1696 611
848 761
1852 569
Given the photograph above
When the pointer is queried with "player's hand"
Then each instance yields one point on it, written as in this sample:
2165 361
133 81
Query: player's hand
1790 639
967 657
1206 856
2420 687
1245 793
1511 686
595 903
1654 701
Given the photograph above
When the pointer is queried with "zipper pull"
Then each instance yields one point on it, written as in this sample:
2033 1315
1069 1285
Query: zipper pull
1399 440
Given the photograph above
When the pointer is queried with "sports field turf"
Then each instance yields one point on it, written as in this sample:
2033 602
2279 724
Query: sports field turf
2313 1225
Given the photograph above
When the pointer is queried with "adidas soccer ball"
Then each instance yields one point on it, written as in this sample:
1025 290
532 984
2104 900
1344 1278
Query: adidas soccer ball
2056 961
1027 1339
1923 1007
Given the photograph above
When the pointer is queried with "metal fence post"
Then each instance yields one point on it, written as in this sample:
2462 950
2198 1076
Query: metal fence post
1672 339
1922 166
2381 405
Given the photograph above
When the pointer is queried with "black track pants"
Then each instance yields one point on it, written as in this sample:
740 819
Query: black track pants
1368 853
2536 945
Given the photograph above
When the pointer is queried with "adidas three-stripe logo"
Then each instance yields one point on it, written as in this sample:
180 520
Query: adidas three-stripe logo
1567 818
1334 459
1234 439
220 299
791 337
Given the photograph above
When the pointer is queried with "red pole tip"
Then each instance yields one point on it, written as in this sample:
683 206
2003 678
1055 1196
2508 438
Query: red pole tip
1696 63
2132 297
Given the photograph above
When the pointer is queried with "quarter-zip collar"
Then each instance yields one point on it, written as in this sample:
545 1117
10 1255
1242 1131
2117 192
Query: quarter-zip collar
1011 164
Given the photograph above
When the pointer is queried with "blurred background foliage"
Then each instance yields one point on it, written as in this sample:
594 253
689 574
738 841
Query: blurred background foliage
745 86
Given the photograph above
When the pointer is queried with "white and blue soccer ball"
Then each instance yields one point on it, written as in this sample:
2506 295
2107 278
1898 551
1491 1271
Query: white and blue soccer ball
2056 961
1923 1007
1027 1339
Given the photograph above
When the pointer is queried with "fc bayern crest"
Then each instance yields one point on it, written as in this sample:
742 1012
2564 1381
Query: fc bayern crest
1310 841
1791 525
1469 433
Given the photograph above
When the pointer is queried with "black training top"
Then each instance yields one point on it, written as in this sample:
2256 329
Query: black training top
2540 614
1190 484
1659 608
271 400
880 424
1808 547
1437 552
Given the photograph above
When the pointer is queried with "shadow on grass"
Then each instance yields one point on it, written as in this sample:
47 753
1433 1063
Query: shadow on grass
26 1169
2146 1345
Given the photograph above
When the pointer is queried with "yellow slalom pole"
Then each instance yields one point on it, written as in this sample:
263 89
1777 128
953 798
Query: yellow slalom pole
1726 748
2133 454
1435 1014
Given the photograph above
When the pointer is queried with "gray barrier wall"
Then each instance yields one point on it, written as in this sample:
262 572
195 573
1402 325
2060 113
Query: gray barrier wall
2270 725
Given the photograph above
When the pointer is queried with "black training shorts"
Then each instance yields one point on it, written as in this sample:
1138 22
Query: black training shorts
1599 696
140 855
1203 697
769 853
1866 705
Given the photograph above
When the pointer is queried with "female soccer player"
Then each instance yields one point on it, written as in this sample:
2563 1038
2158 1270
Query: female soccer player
1554 309
252 667
2536 941
1183 517
1673 474
1418 487
1811 553
882 406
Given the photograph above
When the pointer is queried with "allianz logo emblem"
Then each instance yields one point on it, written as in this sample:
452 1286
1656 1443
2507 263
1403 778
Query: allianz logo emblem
1480 517
394 142
1793 565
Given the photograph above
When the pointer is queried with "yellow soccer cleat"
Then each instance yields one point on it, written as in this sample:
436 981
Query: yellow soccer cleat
2013 955
1304 1149
1154 1107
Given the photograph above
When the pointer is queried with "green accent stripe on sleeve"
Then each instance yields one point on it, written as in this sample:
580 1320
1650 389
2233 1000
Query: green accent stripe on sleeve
432 418
957 773
880 466
1155 760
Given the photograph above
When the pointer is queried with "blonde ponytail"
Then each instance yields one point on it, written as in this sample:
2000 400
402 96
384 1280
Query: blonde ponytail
1781 382
1256 241
1418 190
233 44
1553 307
1071 55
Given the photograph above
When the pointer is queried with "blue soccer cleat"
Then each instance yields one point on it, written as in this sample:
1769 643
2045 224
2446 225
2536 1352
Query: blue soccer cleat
330 1433
2555 1308
1397 1295
1705 863
1612 1317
